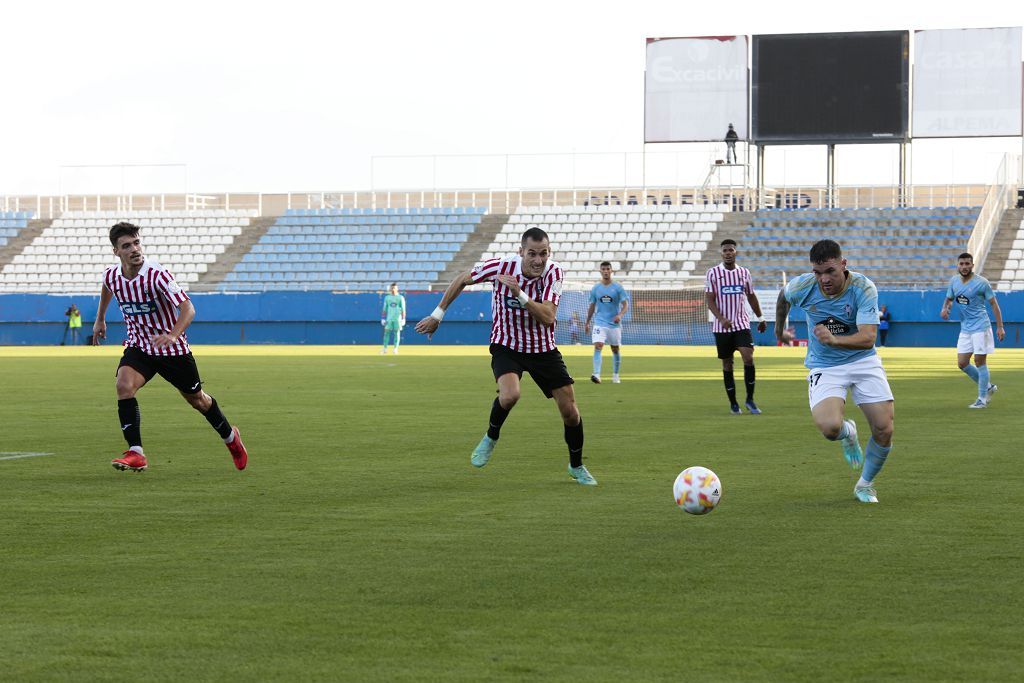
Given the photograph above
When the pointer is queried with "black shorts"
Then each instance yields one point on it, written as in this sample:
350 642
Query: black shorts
728 342
547 369
180 371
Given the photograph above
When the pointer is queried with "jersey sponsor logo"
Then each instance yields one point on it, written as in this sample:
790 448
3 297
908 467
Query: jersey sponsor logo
732 289
835 326
138 307
606 299
962 299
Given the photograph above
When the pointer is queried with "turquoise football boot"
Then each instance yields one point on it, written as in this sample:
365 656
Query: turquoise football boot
582 476
482 452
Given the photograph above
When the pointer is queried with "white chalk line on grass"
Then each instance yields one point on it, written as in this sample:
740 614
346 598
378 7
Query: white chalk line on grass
17 455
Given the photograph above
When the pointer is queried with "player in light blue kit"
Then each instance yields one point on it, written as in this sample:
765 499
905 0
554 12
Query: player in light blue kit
842 311
970 292
609 301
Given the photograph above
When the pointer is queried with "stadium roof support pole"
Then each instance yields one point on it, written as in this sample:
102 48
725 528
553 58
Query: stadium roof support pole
759 190
902 200
830 178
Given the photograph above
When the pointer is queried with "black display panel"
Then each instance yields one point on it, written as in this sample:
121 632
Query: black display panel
830 87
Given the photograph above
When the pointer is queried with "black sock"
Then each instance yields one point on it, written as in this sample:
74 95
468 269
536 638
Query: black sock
131 417
730 385
498 415
574 439
217 420
748 379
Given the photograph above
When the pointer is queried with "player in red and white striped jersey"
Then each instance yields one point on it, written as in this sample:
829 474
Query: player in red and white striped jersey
727 290
156 312
524 304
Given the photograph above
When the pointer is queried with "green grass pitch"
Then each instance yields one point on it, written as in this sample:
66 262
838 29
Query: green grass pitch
360 545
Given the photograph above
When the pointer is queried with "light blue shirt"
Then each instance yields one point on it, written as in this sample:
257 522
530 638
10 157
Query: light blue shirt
607 300
969 299
857 305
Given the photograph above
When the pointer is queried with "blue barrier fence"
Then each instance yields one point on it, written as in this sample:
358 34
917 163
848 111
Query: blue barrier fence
328 318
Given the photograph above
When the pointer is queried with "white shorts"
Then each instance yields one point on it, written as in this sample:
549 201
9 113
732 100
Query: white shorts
976 342
865 378
607 335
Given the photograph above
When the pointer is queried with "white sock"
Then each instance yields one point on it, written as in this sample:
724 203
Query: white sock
230 438
137 449
861 483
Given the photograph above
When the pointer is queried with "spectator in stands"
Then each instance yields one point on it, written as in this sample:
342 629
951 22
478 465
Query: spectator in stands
883 324
610 301
156 312
730 144
74 325
392 317
526 290
970 291
728 289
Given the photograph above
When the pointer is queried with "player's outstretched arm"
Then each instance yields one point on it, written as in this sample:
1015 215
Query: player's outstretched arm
781 315
998 313
430 324
755 306
99 326
946 305
186 314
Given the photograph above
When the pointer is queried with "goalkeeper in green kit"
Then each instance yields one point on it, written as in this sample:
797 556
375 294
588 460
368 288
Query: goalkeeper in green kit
392 317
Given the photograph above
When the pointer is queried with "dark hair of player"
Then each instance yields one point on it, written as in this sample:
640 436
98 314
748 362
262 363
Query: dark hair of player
728 241
825 250
535 234
393 284
965 255
123 229
606 263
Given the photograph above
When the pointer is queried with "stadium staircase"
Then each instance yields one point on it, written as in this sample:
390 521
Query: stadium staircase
256 229
15 245
734 225
473 250
1004 266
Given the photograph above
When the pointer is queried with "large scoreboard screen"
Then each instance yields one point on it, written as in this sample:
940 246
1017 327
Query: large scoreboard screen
830 88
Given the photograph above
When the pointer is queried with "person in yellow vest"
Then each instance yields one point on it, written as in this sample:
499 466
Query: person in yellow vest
74 325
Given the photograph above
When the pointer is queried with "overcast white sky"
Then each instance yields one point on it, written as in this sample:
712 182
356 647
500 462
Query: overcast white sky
300 95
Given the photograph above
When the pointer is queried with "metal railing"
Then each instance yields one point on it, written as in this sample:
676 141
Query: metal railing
508 200
999 197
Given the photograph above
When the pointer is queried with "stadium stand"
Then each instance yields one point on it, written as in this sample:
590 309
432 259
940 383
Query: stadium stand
652 246
354 249
1005 262
11 223
896 248
69 254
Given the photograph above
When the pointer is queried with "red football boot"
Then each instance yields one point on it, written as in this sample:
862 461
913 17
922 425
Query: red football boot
237 448
130 460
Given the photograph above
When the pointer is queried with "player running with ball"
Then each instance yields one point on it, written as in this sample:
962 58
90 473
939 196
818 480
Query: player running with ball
842 310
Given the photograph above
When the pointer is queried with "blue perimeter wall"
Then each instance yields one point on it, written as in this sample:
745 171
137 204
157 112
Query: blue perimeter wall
327 318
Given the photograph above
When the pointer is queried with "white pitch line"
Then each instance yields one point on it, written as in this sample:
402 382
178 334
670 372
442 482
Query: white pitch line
15 455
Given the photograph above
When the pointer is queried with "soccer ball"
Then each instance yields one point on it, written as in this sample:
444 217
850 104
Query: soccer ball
697 490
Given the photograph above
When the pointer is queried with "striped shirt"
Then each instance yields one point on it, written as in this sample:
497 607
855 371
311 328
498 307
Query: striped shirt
511 324
730 288
149 303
